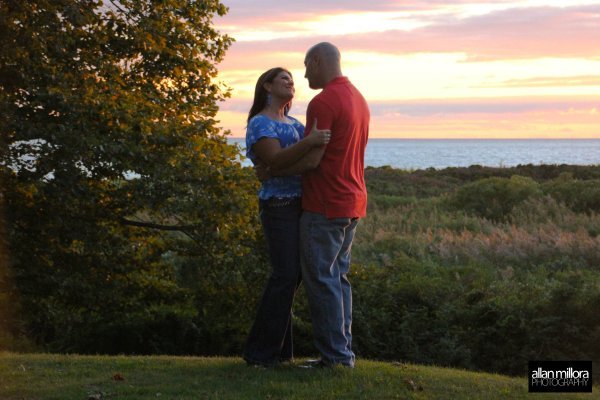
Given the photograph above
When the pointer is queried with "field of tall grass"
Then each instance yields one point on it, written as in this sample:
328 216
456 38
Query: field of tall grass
481 268
474 268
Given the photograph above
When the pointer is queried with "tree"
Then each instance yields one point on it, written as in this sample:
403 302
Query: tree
115 169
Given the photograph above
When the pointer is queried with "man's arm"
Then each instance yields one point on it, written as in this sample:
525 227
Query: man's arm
310 161
316 111
270 152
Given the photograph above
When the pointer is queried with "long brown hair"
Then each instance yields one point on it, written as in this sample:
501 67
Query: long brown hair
260 93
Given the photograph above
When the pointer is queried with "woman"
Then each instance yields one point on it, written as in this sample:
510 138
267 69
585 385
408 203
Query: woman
276 141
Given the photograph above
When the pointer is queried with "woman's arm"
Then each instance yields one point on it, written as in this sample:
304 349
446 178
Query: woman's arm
269 150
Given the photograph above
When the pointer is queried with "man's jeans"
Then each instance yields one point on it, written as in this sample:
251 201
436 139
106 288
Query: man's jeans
325 259
270 339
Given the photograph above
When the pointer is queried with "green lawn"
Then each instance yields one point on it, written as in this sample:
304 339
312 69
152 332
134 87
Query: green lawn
49 376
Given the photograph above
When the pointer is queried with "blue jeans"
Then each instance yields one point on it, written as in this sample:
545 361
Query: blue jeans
270 339
325 259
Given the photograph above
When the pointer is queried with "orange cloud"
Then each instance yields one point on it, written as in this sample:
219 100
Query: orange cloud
466 118
541 125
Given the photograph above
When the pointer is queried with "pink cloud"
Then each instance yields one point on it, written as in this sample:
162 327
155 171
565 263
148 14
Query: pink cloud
586 80
274 10
520 33
510 34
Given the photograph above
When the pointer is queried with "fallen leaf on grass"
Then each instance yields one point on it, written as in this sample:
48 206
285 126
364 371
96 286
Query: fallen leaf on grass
118 377
399 364
413 386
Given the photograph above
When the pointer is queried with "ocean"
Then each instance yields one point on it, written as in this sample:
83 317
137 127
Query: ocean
441 153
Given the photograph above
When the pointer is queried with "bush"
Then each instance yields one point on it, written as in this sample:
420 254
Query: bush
385 201
475 316
579 195
400 313
393 182
494 198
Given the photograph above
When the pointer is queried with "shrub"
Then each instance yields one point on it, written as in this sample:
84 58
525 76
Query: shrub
494 198
400 313
475 316
579 195
389 181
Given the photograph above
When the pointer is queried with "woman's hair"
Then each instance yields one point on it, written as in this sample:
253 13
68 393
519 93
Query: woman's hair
260 93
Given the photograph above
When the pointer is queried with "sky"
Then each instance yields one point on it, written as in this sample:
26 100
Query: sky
430 68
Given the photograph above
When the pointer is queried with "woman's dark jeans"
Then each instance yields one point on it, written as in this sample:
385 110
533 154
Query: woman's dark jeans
270 339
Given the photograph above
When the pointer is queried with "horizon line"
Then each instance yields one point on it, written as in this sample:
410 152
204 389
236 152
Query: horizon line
463 138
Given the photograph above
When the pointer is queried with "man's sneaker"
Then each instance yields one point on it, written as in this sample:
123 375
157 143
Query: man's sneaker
320 364
258 364
315 364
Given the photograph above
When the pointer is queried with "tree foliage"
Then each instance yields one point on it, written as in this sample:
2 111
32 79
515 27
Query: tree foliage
114 168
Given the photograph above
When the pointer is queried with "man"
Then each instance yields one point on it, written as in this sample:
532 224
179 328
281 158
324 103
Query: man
334 197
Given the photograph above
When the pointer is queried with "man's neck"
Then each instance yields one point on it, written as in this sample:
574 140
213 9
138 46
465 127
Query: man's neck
331 76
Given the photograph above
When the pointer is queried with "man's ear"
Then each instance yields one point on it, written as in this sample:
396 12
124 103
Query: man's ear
316 59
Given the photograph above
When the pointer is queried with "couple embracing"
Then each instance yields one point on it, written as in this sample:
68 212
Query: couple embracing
312 196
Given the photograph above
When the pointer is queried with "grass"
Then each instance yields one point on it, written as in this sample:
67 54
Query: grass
49 376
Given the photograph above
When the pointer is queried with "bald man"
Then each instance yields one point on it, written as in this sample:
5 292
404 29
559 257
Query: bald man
334 197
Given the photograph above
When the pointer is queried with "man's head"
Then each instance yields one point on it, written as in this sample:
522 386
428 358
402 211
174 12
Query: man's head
322 64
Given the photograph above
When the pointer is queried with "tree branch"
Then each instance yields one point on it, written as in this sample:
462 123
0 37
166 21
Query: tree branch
161 227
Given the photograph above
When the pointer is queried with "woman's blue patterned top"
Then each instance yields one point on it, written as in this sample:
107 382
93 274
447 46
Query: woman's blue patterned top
260 127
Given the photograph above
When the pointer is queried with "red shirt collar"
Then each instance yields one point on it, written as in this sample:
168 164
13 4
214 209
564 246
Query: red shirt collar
337 81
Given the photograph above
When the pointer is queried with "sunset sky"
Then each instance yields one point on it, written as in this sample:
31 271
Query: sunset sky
431 68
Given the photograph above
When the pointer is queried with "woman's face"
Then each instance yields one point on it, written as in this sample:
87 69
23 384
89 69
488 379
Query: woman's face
283 86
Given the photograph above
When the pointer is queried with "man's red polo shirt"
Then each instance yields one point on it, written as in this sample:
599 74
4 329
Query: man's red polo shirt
336 188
